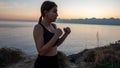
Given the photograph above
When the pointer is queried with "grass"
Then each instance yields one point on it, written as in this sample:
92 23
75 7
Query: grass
104 57
62 60
9 56
108 65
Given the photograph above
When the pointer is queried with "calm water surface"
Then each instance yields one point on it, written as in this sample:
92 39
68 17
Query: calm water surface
19 35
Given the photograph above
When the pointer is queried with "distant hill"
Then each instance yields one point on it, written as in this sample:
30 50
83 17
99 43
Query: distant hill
104 21
18 20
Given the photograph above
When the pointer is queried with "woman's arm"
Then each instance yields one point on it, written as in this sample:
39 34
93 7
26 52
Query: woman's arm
66 33
39 40
61 40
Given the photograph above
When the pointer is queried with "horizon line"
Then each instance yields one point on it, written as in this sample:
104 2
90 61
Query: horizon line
57 18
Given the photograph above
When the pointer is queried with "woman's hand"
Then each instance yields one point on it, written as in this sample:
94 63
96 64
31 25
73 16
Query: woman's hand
67 30
58 32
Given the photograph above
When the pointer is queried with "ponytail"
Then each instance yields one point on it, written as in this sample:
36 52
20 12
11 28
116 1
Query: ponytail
40 19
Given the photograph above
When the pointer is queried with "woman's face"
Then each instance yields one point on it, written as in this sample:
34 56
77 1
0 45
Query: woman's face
52 14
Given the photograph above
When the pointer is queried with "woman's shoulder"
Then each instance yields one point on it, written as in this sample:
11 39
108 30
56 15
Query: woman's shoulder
37 31
38 28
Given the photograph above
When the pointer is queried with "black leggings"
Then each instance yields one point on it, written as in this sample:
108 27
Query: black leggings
46 62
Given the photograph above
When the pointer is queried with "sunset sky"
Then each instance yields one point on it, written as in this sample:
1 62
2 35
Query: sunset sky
67 9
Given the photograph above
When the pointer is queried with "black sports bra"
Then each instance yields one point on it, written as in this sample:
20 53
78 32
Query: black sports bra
47 35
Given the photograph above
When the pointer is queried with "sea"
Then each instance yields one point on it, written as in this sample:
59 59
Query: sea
19 34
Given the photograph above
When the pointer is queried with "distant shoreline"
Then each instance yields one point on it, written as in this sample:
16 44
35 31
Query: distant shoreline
91 21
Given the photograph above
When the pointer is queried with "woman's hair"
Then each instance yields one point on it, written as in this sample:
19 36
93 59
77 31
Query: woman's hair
47 5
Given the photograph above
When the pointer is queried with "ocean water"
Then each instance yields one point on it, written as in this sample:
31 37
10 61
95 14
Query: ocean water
19 34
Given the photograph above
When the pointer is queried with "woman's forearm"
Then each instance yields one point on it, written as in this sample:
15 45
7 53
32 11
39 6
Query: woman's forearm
50 44
61 40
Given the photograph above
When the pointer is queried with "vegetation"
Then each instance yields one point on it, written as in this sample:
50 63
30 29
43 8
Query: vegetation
104 57
101 57
110 56
9 56
63 60
107 56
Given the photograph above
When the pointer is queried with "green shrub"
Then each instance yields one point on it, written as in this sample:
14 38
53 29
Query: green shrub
9 56
89 56
108 65
62 59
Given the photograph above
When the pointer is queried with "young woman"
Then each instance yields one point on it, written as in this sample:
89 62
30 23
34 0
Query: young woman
48 37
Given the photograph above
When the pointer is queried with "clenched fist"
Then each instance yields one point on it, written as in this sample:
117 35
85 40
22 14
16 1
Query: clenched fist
67 30
58 32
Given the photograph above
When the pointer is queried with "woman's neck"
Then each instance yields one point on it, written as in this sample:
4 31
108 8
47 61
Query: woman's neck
46 22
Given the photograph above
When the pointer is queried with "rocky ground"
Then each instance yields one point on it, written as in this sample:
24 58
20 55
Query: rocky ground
28 62
101 57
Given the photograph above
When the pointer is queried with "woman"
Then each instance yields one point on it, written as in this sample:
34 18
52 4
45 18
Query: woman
48 37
